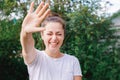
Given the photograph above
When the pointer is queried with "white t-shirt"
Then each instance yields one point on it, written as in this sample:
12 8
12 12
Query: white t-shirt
45 67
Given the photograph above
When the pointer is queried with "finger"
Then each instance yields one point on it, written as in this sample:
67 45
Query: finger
45 14
39 29
39 7
43 9
31 7
36 29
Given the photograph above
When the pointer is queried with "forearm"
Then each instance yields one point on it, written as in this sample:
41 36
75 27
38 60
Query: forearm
30 25
77 77
27 43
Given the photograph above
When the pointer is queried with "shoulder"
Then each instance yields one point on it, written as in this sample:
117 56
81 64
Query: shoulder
71 58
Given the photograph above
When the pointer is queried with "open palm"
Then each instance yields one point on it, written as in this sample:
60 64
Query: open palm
34 18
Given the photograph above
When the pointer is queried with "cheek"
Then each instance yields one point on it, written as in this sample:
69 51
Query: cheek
61 39
46 42
44 36
46 39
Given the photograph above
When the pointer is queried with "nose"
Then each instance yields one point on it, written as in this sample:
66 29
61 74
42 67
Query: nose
54 37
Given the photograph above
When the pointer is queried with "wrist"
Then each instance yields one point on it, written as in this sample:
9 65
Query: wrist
25 34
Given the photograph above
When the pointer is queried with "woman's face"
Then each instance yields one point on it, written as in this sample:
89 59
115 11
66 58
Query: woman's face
53 36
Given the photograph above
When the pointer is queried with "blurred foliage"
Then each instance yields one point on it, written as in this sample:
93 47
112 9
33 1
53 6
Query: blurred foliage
92 41
88 36
7 6
117 14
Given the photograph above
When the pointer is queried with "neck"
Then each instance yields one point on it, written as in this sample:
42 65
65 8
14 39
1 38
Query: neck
54 54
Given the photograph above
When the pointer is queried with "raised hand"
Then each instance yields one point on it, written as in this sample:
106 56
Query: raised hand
33 19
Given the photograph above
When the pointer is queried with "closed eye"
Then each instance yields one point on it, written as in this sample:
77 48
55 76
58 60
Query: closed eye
49 34
59 34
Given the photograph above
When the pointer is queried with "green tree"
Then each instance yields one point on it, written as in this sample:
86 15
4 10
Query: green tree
11 63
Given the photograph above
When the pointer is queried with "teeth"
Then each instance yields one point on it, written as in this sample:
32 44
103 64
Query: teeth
53 44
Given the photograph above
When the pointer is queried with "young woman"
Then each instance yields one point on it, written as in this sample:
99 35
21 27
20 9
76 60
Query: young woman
48 64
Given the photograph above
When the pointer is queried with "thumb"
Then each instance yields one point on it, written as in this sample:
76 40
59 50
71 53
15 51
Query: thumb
39 29
36 29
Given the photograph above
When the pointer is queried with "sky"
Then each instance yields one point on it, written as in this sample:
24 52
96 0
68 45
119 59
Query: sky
112 7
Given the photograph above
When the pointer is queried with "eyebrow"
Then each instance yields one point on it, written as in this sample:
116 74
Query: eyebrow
56 32
52 32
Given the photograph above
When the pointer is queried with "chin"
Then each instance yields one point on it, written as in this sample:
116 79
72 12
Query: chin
53 48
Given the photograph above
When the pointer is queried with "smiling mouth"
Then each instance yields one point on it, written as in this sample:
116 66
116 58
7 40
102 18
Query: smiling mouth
54 44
